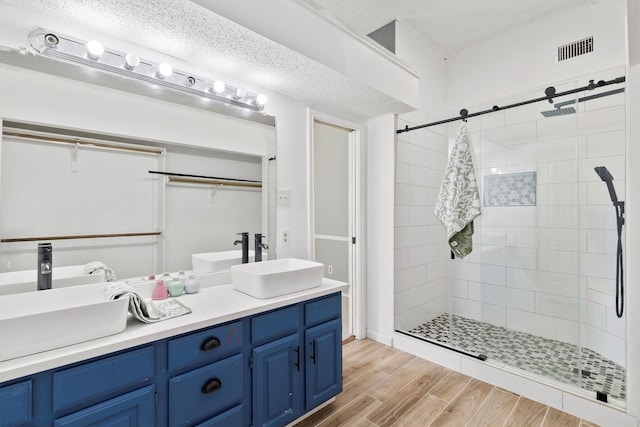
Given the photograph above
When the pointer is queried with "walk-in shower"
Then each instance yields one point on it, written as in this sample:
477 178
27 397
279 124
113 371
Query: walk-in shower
541 294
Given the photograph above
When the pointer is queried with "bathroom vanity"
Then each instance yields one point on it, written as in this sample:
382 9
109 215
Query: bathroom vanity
234 361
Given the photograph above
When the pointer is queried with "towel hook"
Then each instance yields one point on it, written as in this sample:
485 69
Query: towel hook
463 114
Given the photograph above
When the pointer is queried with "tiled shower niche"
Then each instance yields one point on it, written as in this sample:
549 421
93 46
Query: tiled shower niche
512 189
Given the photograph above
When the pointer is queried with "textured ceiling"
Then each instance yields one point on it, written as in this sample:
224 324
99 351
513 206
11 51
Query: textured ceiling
197 36
215 46
452 25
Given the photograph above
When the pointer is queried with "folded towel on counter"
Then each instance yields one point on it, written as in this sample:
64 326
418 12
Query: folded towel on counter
92 267
458 202
145 310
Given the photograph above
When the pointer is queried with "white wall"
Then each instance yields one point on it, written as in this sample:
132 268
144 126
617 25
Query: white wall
326 42
524 58
292 166
420 242
633 178
380 254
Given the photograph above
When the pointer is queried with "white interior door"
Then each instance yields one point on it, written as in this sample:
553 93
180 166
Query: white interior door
334 209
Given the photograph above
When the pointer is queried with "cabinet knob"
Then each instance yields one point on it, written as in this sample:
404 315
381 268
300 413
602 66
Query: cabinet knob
210 343
211 385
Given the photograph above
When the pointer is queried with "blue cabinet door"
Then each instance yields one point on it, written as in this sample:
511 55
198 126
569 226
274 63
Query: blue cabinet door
277 382
323 346
133 409
15 404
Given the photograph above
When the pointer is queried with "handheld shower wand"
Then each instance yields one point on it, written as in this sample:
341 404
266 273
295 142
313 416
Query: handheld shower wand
606 176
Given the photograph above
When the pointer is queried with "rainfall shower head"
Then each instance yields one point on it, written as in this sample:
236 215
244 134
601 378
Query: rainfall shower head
558 112
606 176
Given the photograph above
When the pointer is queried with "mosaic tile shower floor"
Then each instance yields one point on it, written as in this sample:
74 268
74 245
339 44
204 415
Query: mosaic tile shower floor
542 356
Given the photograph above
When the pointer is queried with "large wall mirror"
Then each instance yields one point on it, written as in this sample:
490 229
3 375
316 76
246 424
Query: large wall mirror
76 154
140 207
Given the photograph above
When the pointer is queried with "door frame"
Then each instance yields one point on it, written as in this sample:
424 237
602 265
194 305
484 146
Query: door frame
357 262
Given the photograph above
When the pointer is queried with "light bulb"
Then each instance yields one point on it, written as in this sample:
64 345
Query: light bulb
218 87
51 40
131 61
241 93
164 70
94 49
261 99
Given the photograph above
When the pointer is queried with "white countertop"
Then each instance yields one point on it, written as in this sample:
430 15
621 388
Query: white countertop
210 306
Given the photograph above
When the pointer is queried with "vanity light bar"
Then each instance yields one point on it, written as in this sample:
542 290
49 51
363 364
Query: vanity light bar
93 54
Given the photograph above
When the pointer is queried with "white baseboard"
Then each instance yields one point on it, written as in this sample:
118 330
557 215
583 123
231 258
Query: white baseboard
383 339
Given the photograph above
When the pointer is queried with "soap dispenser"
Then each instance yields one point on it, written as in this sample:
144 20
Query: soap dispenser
175 287
192 285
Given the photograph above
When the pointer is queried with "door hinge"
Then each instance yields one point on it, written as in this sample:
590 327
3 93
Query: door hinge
155 398
251 363
353 240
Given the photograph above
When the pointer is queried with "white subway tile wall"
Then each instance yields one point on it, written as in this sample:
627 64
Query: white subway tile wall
421 252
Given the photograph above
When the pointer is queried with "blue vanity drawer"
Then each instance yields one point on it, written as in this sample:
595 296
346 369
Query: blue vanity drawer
275 324
322 310
16 402
101 378
232 417
206 346
201 393
131 409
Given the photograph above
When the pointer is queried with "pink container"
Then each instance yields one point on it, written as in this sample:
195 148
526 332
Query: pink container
160 291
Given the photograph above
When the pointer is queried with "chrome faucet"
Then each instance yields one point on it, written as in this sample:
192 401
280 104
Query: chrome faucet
245 246
45 265
259 246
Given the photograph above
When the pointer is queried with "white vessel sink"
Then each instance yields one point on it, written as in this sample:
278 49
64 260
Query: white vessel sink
13 282
212 262
33 322
277 277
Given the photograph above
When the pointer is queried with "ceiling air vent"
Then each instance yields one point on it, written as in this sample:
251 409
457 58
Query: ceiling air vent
577 48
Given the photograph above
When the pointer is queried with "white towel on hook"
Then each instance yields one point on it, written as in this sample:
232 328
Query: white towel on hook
458 202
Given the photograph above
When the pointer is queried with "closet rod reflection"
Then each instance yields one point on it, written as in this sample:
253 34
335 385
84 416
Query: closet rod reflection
79 141
213 182
79 236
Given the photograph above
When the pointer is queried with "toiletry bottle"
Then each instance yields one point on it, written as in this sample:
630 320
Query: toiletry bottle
175 287
160 291
183 277
191 285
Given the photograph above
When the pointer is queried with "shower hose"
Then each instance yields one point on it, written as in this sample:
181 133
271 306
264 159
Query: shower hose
619 206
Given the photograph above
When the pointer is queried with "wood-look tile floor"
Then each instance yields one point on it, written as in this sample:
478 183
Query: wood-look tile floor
384 386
